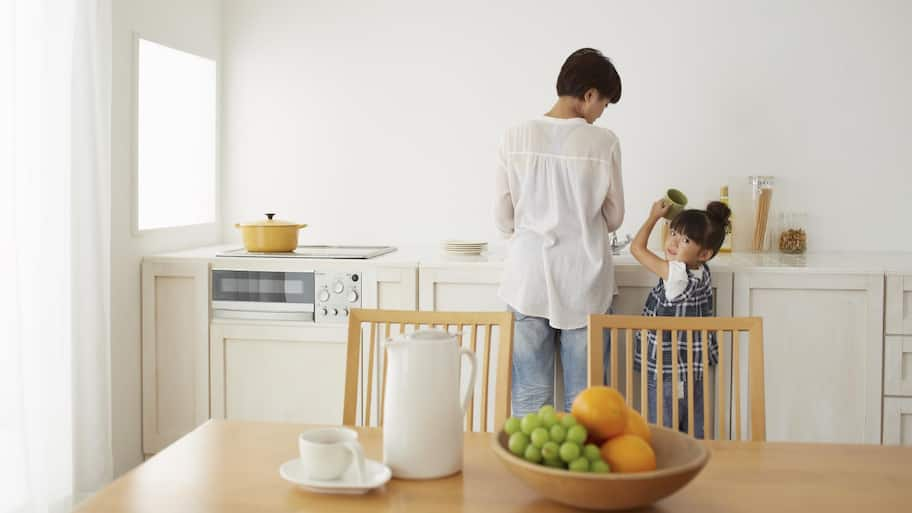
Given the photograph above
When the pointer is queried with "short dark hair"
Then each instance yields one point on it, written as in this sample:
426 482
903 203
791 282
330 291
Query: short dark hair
587 68
704 227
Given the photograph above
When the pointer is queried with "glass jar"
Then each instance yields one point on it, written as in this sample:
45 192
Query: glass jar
762 199
793 232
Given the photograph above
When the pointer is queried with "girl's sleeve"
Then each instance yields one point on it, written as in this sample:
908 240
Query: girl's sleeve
613 206
678 279
503 200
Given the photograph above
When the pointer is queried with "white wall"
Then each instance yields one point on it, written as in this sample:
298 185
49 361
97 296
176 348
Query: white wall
378 121
193 26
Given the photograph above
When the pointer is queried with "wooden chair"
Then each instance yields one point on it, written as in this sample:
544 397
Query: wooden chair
729 366
371 374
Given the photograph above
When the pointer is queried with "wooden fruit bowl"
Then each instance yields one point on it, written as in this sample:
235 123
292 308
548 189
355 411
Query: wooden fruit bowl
679 458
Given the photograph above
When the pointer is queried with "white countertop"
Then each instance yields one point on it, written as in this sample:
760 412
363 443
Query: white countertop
433 257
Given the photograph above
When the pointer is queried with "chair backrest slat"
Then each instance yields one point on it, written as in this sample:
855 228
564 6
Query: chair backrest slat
643 385
690 382
628 367
485 373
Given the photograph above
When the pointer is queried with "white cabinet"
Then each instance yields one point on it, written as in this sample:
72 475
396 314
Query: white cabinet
175 350
899 304
897 429
460 288
391 288
897 415
898 365
823 344
466 288
278 371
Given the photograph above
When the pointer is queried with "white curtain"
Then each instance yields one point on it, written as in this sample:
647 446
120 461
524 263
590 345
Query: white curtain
55 76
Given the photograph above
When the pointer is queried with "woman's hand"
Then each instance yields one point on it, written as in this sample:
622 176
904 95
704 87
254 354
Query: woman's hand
659 209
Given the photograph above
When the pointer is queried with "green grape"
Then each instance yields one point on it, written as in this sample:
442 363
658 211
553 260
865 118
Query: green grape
549 418
530 422
599 467
569 451
539 436
567 421
546 409
518 443
533 454
511 425
558 433
592 452
579 465
555 462
577 434
550 451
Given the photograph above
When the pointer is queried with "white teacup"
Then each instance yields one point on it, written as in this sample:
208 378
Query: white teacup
327 453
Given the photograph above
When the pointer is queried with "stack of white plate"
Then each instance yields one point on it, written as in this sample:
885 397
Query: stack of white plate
464 247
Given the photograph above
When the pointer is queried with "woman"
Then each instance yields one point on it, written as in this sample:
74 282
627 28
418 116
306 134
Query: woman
558 196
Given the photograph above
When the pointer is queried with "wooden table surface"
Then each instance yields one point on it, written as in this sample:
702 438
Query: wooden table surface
230 466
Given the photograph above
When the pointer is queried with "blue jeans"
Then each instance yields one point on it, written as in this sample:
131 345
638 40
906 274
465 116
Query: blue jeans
681 423
535 343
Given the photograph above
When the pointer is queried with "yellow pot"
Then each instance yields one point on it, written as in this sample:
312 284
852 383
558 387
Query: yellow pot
270 235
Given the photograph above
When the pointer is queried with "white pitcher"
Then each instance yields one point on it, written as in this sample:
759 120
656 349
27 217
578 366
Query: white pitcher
422 410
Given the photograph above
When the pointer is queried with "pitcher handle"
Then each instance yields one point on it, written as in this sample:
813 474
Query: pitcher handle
471 388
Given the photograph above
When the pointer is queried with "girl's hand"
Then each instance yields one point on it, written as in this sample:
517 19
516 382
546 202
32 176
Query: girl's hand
659 209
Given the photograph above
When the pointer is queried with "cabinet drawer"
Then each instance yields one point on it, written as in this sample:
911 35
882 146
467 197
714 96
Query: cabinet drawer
897 421
899 305
898 365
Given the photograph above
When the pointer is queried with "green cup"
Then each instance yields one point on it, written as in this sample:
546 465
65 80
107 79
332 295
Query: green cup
677 200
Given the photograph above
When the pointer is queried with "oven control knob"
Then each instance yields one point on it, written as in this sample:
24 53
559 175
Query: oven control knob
353 296
324 295
335 311
344 312
323 312
338 287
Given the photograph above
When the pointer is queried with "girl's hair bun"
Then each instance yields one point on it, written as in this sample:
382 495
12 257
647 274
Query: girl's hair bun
718 212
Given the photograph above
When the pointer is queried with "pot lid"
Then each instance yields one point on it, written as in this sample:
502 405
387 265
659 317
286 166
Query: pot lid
269 221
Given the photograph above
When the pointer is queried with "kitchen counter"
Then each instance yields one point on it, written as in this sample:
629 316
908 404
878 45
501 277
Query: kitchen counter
828 308
433 257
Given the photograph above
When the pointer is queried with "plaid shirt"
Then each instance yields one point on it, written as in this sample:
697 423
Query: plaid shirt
695 301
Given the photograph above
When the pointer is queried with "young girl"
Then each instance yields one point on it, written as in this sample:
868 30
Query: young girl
684 290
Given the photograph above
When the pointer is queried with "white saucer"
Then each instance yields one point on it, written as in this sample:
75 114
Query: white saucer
377 475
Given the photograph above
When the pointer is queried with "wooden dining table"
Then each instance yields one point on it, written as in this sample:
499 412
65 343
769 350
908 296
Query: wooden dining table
233 466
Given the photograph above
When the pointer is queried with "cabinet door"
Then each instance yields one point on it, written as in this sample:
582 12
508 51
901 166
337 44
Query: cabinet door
287 372
391 288
823 353
897 429
458 289
898 365
899 305
175 351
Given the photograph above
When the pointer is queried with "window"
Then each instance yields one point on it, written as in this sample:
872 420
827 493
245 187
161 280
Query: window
175 138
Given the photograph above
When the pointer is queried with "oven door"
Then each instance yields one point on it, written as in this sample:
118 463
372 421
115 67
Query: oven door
268 295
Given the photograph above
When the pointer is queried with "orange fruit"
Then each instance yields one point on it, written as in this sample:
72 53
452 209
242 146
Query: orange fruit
628 453
636 425
601 410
